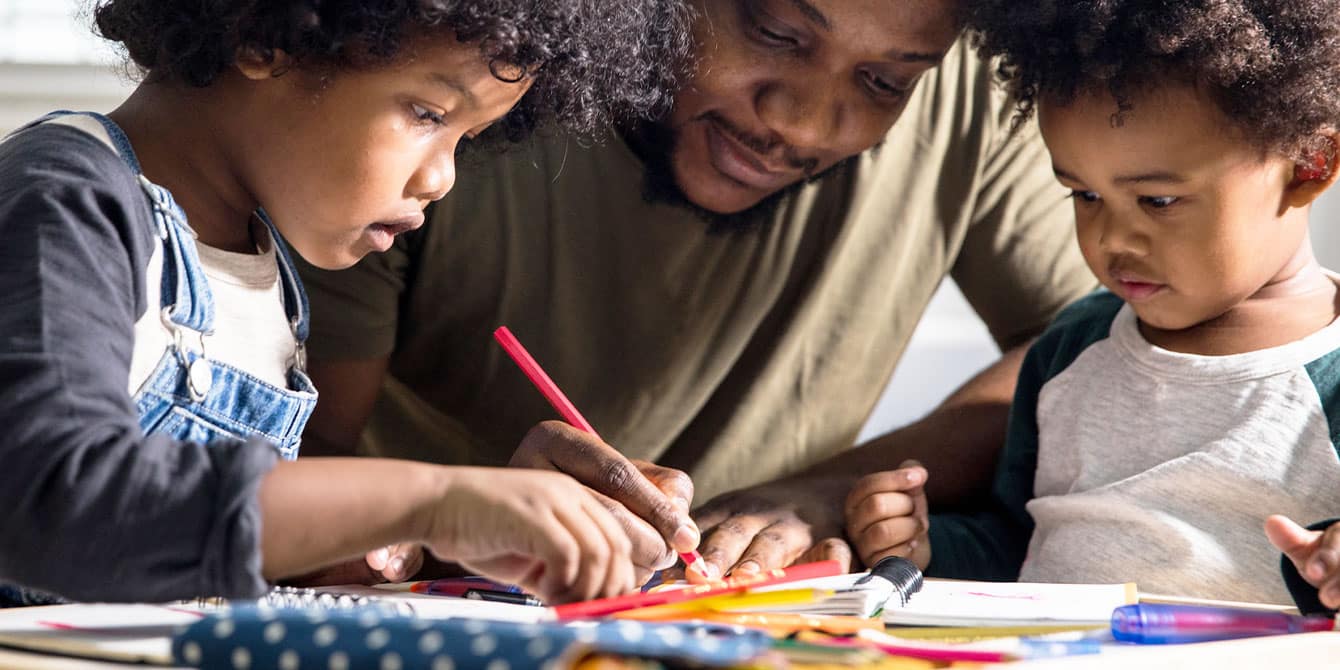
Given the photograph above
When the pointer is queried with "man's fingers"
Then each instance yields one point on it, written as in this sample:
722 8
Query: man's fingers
676 484
600 467
776 546
830 549
723 547
1296 542
904 480
398 561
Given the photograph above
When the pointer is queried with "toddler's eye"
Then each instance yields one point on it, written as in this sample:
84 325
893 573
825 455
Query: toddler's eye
1159 202
424 114
1085 196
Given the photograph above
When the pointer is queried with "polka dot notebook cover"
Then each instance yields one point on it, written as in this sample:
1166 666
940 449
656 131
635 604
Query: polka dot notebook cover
264 637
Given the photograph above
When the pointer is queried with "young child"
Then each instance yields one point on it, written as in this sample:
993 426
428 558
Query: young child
152 386
1157 424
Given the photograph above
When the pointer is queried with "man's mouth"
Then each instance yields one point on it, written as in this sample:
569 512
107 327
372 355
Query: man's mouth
741 163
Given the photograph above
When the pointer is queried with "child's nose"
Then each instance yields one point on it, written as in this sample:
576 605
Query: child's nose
1118 237
434 179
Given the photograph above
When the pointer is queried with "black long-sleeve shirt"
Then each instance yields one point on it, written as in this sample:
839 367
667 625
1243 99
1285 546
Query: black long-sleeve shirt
91 508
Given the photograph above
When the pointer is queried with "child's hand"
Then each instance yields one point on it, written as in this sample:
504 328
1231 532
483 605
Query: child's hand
1315 553
397 562
539 530
886 515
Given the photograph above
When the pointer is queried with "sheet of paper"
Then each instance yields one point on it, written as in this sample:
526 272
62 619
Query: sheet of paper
943 602
132 633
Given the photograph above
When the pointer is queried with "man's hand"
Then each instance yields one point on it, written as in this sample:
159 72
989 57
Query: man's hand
650 502
774 525
887 515
397 562
1315 553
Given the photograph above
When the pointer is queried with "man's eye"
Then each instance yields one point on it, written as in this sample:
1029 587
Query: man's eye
1159 202
426 115
773 37
880 86
1085 196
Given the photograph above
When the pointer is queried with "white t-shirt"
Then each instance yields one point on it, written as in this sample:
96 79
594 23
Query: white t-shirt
251 330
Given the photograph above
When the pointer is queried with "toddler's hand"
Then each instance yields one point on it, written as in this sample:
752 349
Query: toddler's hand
397 562
1315 553
539 530
887 515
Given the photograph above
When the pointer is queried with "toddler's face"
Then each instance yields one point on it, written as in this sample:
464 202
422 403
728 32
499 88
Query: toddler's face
1175 212
345 165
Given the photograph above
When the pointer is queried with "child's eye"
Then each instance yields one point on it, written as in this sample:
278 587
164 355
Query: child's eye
1085 196
1159 202
426 115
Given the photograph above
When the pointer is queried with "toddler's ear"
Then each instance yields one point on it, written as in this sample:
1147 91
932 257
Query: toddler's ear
1316 171
256 63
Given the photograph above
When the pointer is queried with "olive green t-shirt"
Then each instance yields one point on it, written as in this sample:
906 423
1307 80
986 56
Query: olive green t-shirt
738 357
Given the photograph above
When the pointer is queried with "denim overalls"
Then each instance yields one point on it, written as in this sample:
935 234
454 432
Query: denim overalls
188 396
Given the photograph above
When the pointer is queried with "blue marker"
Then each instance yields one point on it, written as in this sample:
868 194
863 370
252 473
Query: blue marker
1175 624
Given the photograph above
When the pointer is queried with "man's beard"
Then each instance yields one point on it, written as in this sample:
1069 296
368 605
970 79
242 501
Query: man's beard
655 143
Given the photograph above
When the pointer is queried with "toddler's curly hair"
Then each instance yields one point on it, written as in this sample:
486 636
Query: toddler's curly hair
1272 66
596 61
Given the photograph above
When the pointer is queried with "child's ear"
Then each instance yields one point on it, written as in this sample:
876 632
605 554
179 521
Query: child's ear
256 63
1316 171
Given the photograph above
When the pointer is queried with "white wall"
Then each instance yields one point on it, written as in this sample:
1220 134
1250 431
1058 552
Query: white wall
50 58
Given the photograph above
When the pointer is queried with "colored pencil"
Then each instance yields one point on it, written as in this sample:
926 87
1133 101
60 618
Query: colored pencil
607 606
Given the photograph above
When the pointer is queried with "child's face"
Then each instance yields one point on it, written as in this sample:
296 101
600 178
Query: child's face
344 167
1175 213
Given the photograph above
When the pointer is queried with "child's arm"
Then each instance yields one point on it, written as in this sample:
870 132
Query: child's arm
540 530
1311 563
886 512
89 506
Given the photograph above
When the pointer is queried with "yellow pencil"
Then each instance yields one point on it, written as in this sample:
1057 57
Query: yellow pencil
727 603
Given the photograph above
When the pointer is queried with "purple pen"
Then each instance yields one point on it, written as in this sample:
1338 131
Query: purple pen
1173 624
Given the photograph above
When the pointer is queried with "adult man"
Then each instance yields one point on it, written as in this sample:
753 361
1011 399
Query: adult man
729 323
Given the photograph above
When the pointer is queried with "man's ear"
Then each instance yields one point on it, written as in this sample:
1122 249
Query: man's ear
256 64
1316 171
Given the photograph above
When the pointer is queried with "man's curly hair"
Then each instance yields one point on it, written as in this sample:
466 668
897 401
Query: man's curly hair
595 61
1272 66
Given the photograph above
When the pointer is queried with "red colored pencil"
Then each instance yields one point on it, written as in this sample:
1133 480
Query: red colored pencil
692 559
605 606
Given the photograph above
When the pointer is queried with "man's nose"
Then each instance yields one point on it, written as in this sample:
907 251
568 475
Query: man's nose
804 111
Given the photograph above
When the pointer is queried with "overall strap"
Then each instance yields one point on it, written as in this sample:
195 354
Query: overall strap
295 298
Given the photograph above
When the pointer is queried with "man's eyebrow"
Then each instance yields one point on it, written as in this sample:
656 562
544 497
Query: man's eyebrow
812 13
915 57
453 85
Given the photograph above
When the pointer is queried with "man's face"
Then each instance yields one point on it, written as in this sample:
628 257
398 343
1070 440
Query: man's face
785 89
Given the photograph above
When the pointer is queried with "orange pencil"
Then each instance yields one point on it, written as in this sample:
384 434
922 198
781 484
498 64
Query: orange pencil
692 559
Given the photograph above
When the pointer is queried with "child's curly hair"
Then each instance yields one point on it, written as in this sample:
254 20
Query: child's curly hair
1273 66
598 60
